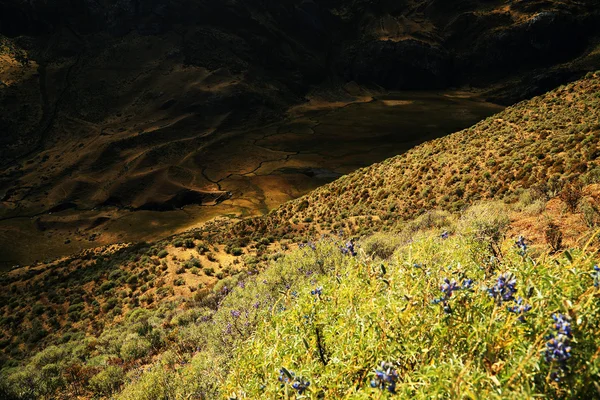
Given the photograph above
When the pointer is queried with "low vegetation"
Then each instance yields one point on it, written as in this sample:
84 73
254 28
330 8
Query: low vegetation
466 267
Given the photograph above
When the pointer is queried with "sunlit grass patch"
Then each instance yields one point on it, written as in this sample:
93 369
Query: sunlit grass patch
479 345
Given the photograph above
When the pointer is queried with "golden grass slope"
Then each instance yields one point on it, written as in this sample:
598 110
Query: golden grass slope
541 143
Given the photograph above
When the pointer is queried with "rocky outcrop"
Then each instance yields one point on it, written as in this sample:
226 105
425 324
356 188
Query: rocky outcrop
394 65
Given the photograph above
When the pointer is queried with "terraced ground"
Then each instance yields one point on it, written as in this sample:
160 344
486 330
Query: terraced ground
180 317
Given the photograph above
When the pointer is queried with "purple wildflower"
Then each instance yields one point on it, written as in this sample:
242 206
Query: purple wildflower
505 288
448 288
299 384
467 284
385 378
310 245
520 243
520 309
349 249
558 347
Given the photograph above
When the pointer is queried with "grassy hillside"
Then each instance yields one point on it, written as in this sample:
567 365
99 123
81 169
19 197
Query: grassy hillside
433 308
220 310
544 144
468 345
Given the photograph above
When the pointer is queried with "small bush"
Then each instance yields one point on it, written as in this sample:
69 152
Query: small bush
135 347
571 195
590 213
162 254
485 222
381 245
107 381
179 281
110 304
553 236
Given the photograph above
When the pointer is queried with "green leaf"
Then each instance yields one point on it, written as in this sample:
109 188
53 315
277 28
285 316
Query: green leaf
287 373
569 256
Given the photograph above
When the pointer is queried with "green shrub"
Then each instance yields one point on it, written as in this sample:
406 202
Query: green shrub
179 281
135 347
590 213
193 262
110 304
108 381
106 286
485 222
436 343
163 253
38 309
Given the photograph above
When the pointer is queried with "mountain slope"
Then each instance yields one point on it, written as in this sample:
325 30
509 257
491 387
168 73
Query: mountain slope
115 109
542 143
91 323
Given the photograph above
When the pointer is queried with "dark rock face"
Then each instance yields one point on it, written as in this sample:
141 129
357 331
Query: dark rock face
407 64
394 44
548 38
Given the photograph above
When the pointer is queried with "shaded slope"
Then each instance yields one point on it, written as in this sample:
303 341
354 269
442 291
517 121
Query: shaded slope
120 82
541 143
185 281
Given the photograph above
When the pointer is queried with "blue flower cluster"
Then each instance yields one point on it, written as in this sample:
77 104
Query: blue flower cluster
448 288
385 378
445 235
596 276
558 347
299 384
348 248
317 291
505 288
520 308
310 245
520 243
